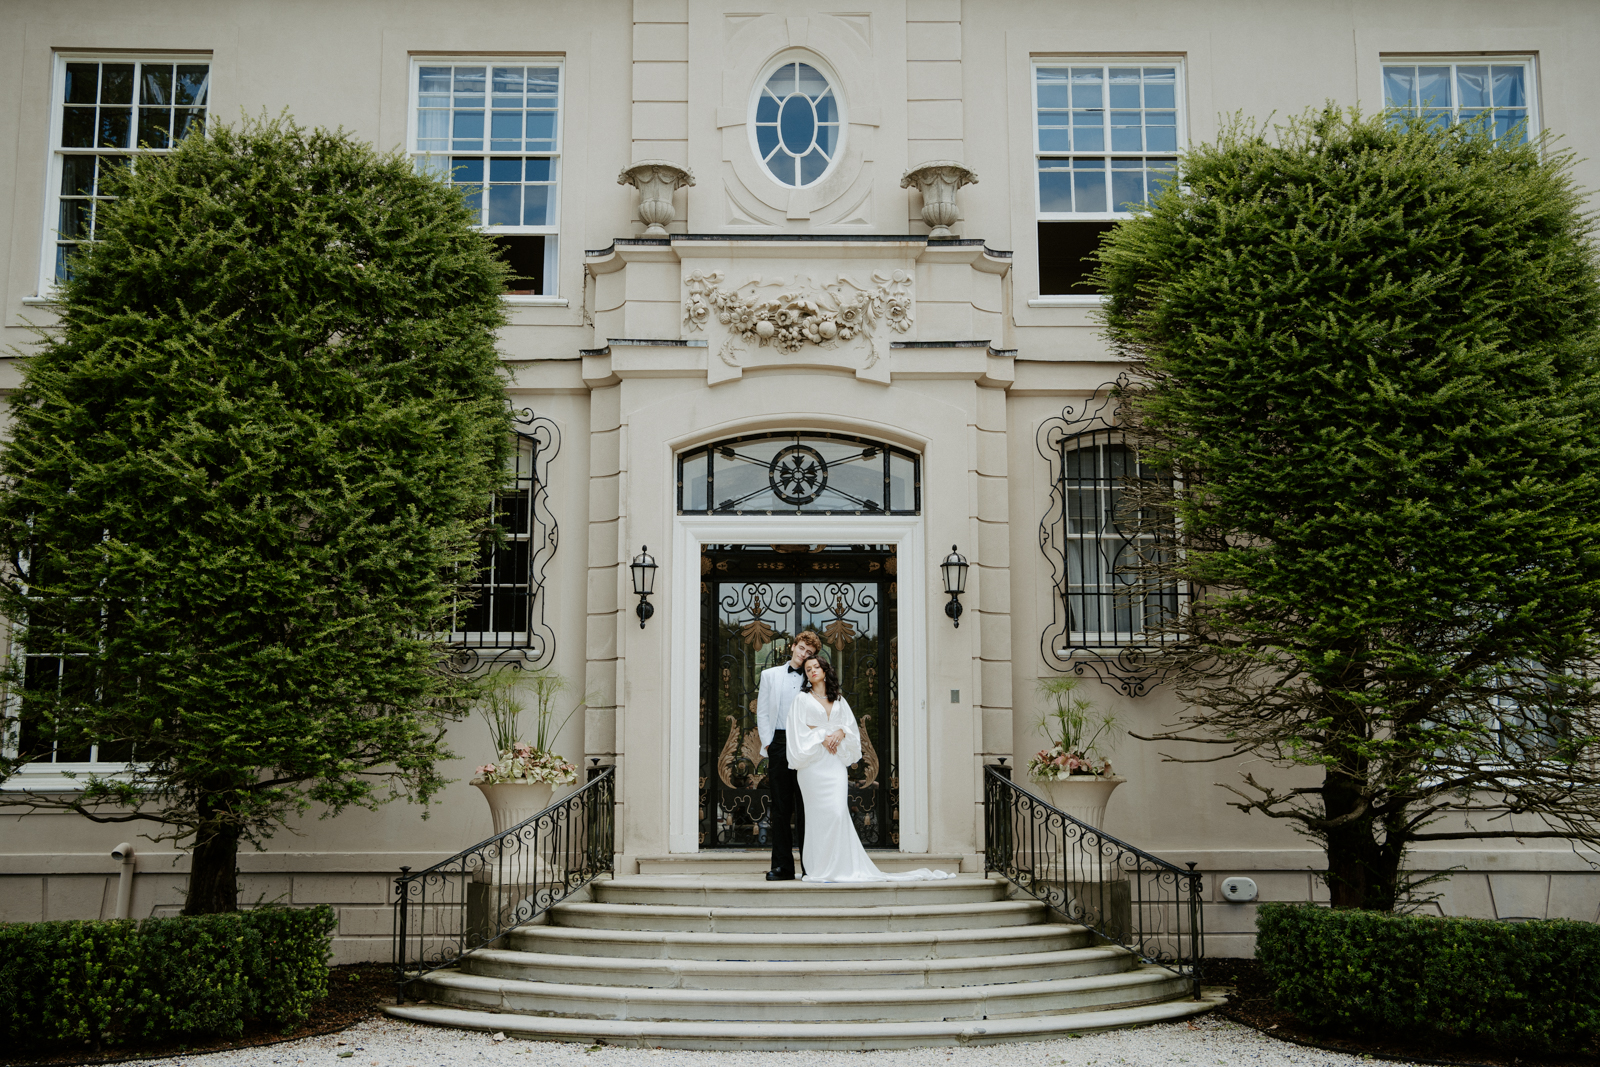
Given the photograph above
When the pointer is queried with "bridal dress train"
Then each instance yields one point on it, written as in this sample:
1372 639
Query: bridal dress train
833 851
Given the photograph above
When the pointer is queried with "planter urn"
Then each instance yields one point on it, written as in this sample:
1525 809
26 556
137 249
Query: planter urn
656 180
1083 796
937 181
512 802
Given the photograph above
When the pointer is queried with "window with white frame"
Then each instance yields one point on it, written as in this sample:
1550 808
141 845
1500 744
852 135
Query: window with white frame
797 124
1497 91
1106 137
493 129
107 111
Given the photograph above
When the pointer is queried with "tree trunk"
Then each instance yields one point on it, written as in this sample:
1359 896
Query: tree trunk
1363 872
214 870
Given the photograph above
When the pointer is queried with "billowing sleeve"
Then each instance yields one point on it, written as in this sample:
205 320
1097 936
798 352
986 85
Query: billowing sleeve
805 731
850 747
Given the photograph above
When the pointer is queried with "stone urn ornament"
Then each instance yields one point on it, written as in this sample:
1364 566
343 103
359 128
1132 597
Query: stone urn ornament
938 181
1072 774
656 180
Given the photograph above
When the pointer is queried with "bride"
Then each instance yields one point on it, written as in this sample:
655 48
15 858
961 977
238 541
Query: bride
823 740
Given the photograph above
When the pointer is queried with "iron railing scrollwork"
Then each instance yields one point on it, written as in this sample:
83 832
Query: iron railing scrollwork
1105 614
1145 904
482 893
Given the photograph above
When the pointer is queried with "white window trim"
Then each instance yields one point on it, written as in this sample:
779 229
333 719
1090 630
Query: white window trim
798 55
1181 105
46 284
1069 300
552 248
1529 60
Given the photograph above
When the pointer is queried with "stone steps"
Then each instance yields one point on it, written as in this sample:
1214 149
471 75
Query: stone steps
926 944
725 920
731 861
783 1037
746 892
718 961
815 1004
788 974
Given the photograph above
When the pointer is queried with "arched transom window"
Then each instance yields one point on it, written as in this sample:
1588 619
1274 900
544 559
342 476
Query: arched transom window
811 473
797 124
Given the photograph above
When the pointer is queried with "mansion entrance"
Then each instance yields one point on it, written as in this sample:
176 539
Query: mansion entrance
754 599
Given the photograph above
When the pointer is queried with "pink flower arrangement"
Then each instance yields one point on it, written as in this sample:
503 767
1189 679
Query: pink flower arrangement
1056 762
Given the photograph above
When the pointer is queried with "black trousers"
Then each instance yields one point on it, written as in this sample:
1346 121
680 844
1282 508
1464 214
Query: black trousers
786 804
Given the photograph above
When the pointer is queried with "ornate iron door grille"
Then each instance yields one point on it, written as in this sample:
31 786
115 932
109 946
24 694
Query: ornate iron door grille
754 599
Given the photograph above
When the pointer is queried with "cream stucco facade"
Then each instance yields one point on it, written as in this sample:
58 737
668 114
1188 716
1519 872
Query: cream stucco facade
608 351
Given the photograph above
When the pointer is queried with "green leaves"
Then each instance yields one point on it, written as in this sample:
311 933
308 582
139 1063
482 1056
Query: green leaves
125 983
1519 986
249 472
1369 350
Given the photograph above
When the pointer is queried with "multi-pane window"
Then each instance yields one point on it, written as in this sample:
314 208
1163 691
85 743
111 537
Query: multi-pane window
1105 540
499 614
1106 140
493 130
109 111
799 473
797 124
1496 92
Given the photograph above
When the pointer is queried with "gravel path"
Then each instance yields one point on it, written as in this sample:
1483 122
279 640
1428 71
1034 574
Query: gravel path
383 1042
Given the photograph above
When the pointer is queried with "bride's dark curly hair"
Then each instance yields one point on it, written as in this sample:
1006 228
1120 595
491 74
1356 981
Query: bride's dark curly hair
830 680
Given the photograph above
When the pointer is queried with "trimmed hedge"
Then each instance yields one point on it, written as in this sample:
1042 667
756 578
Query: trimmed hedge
1528 986
121 982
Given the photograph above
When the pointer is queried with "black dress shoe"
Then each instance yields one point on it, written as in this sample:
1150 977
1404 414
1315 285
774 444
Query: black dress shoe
779 876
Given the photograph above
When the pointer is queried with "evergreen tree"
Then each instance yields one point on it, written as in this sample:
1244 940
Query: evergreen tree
1368 350
245 482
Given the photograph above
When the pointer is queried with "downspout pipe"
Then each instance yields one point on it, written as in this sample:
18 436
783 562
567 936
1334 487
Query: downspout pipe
124 855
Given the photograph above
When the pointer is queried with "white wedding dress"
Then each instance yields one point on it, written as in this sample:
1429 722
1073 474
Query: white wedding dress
832 851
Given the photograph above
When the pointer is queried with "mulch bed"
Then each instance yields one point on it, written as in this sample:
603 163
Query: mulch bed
354 994
1250 1003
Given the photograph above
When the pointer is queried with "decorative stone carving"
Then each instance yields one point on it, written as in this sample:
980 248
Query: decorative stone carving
938 180
803 313
656 180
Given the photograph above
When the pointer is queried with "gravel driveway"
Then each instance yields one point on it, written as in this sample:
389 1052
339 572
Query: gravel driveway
383 1042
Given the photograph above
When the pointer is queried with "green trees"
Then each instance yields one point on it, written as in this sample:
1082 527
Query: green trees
1369 353
245 484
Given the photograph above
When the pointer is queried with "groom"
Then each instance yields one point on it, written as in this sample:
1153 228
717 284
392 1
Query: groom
779 686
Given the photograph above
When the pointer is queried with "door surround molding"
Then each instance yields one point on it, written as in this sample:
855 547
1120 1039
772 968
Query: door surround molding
690 532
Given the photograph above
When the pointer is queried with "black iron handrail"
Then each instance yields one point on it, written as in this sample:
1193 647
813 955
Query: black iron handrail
482 893
1144 903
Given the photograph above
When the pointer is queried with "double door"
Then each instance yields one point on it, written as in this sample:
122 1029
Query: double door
754 600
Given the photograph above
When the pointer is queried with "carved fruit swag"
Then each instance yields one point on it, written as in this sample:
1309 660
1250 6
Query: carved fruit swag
824 316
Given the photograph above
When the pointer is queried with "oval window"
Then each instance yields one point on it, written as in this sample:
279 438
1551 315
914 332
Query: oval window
797 124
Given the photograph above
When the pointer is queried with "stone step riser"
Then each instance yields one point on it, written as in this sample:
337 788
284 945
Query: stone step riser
988 1002
667 919
769 1037
1037 967
749 863
800 895
565 942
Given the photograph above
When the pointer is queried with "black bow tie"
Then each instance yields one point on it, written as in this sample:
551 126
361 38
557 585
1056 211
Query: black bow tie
795 670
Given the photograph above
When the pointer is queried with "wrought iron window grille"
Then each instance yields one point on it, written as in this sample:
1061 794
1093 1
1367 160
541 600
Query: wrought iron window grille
799 473
504 621
1106 618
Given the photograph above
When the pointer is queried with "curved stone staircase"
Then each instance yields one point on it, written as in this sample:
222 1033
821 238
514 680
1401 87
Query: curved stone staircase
734 962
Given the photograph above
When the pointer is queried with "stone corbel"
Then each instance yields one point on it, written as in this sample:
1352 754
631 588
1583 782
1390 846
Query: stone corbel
938 181
656 180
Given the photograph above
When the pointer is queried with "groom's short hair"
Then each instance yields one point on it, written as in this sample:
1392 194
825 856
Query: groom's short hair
809 637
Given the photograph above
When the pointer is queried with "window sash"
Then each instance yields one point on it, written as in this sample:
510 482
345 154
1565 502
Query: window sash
1445 90
103 107
1104 133
452 134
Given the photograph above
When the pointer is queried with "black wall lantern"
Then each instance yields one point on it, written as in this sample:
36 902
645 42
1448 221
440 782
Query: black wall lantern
955 583
644 583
